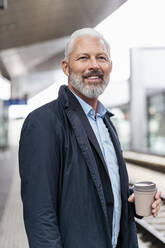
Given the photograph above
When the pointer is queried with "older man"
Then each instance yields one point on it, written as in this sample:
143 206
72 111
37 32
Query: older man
74 180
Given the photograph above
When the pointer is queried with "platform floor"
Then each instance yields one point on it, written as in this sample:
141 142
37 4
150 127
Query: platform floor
12 232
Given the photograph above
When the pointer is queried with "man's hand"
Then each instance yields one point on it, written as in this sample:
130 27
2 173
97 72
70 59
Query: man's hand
155 205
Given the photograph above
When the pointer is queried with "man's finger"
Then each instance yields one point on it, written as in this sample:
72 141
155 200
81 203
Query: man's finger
131 198
158 195
156 203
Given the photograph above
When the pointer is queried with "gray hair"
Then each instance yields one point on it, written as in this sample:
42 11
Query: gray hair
83 32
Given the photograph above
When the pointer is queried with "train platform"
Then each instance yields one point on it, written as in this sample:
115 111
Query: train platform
145 167
12 232
154 226
150 161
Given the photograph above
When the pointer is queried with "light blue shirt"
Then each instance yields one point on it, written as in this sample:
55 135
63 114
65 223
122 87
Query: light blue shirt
109 154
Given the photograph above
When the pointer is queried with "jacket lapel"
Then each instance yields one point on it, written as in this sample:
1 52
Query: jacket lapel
86 125
91 136
85 147
84 133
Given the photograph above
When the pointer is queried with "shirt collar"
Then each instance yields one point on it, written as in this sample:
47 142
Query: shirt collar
100 110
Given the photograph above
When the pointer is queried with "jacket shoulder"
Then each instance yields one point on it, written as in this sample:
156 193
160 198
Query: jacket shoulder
47 116
44 110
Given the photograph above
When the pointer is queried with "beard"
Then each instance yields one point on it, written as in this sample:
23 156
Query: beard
90 91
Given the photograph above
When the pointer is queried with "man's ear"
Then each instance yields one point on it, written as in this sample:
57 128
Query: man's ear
65 67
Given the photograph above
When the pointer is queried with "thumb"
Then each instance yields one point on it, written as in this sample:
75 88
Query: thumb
131 198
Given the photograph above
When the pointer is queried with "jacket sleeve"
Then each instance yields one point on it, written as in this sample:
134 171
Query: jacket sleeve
39 169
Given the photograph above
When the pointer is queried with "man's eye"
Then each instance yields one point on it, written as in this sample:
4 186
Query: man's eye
102 58
82 58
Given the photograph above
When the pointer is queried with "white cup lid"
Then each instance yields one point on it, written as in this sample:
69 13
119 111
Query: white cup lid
145 186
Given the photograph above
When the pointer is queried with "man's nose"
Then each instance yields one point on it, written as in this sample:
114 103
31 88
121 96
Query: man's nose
93 63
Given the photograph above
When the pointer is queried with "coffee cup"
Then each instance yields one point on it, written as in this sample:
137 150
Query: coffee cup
144 197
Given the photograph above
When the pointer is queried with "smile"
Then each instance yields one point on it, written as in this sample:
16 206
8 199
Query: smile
94 79
94 76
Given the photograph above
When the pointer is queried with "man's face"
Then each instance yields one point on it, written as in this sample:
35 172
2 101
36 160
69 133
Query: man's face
89 67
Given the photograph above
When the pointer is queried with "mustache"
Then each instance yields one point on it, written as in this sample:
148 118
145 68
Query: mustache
94 73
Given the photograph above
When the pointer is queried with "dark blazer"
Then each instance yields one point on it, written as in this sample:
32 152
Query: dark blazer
66 192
